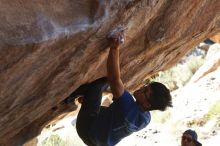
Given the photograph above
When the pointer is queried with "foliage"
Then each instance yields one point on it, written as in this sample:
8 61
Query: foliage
213 113
53 140
161 117
195 63
71 139
177 76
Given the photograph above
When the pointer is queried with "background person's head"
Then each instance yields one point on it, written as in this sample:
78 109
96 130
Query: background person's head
154 96
189 138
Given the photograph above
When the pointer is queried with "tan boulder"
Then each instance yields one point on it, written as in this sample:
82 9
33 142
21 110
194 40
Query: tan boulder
49 48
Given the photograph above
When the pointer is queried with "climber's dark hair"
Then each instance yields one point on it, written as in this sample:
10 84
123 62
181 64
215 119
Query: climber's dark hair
160 98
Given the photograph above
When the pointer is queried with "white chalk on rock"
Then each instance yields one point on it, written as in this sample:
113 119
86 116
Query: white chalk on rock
115 34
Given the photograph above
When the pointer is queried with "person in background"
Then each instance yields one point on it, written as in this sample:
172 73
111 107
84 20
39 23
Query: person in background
190 138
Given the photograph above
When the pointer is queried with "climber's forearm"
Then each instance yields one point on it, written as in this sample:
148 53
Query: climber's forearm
113 72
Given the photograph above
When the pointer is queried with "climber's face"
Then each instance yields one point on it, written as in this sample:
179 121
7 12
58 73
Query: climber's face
187 140
142 97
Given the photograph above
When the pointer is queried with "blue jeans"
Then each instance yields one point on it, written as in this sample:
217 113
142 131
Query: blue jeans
90 108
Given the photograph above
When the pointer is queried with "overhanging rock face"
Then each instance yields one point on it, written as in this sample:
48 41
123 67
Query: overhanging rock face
49 48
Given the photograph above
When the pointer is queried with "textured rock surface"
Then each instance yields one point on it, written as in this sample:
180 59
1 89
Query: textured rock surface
49 48
216 38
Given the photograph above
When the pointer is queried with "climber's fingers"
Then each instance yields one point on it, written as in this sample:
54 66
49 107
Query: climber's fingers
116 38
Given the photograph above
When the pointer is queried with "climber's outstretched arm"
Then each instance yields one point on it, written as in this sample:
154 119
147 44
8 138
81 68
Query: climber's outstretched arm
113 68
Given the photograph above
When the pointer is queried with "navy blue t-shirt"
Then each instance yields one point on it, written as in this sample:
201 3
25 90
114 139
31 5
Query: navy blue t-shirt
122 118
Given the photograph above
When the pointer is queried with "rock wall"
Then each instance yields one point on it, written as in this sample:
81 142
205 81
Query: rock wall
49 48
216 38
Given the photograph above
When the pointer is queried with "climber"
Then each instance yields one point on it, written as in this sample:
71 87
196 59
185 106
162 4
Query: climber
106 126
189 138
